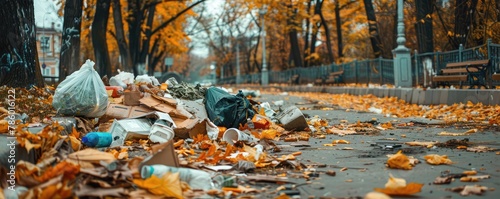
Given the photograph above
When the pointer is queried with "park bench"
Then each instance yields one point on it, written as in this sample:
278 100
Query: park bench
473 72
295 79
335 77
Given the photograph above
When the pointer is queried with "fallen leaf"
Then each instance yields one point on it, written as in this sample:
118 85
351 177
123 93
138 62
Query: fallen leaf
443 180
337 131
480 149
92 156
473 178
418 143
469 173
437 159
445 133
376 195
398 186
268 134
340 142
168 185
283 196
399 161
469 189
4 126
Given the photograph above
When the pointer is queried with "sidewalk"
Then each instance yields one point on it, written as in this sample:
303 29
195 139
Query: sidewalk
411 95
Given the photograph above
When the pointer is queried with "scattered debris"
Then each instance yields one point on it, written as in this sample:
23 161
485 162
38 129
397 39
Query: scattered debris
469 190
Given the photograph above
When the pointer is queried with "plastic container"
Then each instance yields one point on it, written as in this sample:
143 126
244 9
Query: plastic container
195 178
292 119
97 139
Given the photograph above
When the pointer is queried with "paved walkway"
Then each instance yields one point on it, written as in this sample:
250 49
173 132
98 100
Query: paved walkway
411 95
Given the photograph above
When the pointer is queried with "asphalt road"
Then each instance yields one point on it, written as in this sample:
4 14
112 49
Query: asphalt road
365 164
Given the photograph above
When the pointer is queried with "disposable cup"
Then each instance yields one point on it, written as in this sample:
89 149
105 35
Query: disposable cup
233 134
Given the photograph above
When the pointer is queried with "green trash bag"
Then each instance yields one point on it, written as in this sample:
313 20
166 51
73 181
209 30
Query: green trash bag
227 110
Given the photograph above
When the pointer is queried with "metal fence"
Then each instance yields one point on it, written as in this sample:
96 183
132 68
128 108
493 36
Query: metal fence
381 71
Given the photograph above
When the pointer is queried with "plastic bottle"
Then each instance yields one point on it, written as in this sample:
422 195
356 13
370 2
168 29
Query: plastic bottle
250 123
195 178
97 139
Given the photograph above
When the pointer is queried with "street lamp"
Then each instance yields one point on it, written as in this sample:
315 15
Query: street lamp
238 70
265 74
44 45
402 57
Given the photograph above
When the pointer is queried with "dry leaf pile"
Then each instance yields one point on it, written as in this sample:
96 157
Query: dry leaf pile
35 102
468 112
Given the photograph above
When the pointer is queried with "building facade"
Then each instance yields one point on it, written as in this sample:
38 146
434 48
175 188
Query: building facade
49 48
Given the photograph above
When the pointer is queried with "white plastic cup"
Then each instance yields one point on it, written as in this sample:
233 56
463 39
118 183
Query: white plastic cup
233 134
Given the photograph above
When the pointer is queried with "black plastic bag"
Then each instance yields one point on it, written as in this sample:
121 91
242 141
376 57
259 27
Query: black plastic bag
227 110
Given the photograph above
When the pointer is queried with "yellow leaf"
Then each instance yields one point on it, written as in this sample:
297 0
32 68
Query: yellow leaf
437 159
399 161
340 142
168 185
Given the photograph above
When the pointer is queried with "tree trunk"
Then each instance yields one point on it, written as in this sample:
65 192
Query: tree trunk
99 41
327 33
307 35
464 13
120 37
424 25
338 23
373 28
19 66
70 49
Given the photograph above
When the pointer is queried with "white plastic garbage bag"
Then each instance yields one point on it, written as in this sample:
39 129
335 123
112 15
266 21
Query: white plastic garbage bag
122 79
82 93
143 79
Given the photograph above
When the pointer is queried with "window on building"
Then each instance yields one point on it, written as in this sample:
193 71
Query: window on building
45 44
46 72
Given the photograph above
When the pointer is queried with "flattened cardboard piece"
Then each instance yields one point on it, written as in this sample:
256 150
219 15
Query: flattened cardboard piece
197 108
166 108
169 101
184 126
120 111
117 111
131 98
165 156
137 111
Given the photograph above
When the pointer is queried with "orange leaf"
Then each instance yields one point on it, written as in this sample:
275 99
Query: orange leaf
399 161
437 159
211 150
409 189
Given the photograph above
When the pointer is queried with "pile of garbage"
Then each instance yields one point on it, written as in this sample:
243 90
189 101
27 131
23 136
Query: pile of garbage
124 137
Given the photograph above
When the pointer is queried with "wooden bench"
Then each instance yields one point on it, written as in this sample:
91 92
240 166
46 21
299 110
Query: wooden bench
496 77
295 79
335 77
473 72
